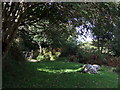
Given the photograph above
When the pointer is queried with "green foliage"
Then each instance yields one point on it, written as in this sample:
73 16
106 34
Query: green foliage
14 54
48 55
40 57
53 23
116 41
117 70
86 49
51 56
13 59
64 59
70 48
25 42
88 53
104 26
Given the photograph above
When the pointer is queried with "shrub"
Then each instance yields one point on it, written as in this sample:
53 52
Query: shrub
114 61
14 56
91 57
117 70
50 54
40 58
73 58
57 54
47 57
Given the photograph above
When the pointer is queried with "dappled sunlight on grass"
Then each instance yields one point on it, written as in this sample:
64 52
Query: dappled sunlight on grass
60 70
59 74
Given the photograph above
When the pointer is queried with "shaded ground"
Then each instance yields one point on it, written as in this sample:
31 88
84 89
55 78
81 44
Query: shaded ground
42 75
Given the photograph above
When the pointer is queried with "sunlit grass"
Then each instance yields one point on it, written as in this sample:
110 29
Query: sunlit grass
58 74
59 71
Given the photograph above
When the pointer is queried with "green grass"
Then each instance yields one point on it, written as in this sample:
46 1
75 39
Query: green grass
57 74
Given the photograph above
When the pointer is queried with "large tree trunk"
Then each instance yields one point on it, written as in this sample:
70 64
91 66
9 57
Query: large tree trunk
13 14
11 22
8 39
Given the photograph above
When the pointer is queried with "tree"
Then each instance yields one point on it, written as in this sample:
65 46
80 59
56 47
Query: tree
115 47
104 24
18 14
13 14
51 16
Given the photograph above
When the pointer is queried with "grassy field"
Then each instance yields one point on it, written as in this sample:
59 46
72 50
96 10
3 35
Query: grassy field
57 74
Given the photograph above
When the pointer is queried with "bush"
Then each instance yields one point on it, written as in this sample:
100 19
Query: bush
69 49
50 54
117 70
91 56
113 61
73 58
14 56
40 58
